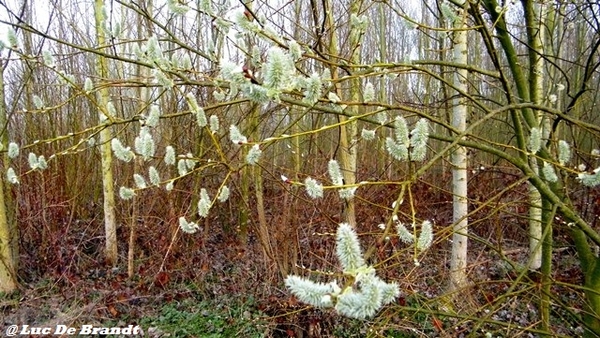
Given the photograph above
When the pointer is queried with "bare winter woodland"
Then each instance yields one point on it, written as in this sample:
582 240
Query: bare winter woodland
169 164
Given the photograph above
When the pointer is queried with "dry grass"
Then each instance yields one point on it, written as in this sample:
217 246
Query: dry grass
62 270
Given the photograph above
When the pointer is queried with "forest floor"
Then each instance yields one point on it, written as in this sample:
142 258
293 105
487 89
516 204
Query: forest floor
210 285
224 293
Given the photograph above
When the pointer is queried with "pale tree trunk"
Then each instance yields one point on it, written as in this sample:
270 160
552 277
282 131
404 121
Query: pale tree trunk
8 258
458 263
110 226
540 253
349 153
536 89
535 223
8 274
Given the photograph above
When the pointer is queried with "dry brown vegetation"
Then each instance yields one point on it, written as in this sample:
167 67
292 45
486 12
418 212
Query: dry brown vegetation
65 280
227 278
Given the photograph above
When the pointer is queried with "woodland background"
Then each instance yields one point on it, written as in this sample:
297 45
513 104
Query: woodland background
484 74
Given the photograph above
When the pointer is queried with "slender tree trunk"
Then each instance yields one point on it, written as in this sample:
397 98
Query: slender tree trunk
540 219
256 171
8 274
110 226
536 88
263 227
348 131
132 233
143 25
458 263
247 172
8 258
444 90
289 239
383 55
535 224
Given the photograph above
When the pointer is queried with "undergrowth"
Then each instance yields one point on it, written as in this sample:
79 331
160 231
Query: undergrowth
211 285
208 319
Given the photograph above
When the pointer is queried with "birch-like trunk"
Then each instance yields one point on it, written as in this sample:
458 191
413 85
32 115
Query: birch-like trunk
536 89
539 228
458 263
110 225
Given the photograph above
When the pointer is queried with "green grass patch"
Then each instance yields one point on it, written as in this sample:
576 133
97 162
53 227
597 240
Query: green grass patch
209 319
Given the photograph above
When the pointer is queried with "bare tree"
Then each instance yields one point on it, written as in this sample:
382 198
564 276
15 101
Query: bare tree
104 114
458 262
